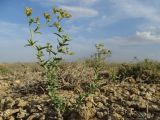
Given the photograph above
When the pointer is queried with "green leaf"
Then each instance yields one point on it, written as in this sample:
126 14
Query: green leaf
31 21
31 43
38 32
65 44
58 35
60 43
37 28
57 59
60 29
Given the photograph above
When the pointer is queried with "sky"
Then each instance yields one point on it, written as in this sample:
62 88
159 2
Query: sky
128 28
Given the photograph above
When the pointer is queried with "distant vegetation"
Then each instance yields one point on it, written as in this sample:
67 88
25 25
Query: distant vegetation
146 71
4 70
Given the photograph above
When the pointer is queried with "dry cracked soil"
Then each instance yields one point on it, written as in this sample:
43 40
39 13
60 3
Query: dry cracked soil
23 96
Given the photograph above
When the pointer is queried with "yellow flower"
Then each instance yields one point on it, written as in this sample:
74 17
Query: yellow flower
47 16
28 11
62 13
67 15
55 10
56 24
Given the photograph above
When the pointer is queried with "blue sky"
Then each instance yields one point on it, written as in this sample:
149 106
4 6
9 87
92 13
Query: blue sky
128 27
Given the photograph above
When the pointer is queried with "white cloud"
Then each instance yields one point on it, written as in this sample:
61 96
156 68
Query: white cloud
53 1
127 9
137 9
140 38
148 35
73 6
74 29
80 12
88 2
47 3
118 40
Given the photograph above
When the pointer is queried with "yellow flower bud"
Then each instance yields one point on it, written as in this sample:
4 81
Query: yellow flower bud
55 10
28 11
56 24
47 16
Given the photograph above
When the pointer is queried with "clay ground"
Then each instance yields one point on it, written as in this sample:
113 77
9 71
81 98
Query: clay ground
23 96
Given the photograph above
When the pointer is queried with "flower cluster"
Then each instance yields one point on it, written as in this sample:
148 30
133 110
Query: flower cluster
28 11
